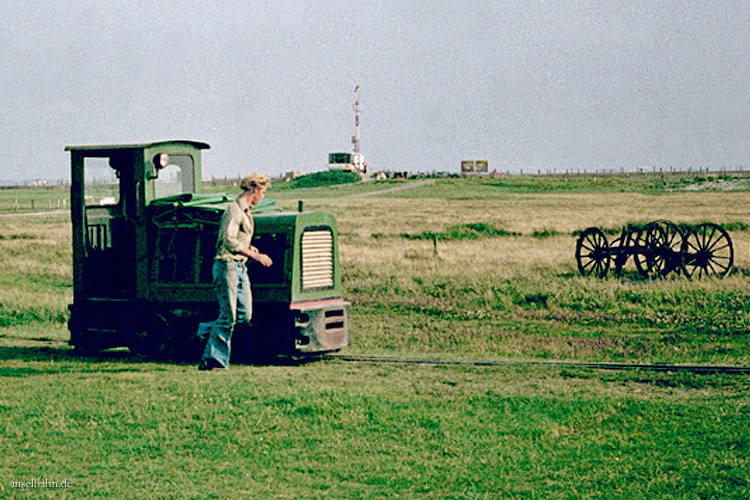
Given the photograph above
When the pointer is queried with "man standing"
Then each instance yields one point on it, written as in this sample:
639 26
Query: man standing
231 281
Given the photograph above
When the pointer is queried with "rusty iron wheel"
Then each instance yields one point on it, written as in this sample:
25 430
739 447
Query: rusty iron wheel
707 251
592 253
659 250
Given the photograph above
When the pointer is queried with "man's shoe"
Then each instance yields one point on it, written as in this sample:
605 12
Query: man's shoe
211 364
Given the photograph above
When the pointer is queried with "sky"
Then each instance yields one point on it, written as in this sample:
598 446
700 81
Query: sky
525 85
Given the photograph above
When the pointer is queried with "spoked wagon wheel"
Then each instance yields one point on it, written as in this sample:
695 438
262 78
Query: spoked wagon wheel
707 251
660 245
592 253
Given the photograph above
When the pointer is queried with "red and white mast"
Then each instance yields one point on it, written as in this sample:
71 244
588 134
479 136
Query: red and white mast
355 139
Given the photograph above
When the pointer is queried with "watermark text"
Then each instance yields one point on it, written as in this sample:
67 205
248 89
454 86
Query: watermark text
41 483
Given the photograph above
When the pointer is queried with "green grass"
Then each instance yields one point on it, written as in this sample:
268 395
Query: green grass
501 284
123 429
650 184
331 185
545 317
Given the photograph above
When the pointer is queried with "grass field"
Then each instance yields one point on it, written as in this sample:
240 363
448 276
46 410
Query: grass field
500 284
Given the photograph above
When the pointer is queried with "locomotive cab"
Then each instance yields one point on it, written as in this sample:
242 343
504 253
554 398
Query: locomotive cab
144 240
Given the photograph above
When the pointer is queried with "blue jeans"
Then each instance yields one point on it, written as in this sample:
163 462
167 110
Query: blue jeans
235 307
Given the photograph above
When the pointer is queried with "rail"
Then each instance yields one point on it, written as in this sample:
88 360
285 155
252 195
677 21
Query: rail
605 365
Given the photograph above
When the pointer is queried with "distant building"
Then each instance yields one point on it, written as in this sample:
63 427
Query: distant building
351 162
290 176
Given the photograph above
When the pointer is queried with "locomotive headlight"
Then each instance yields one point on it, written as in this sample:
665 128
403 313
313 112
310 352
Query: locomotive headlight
161 161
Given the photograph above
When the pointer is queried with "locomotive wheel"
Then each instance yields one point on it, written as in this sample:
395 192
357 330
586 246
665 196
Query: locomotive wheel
168 336
151 341
707 251
660 243
592 253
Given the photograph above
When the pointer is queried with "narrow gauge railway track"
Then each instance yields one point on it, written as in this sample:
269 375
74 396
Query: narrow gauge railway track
700 369
601 365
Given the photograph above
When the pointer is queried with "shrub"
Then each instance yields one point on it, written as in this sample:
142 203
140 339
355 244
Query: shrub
471 231
325 178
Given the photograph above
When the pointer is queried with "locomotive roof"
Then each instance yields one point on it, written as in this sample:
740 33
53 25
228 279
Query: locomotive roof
195 144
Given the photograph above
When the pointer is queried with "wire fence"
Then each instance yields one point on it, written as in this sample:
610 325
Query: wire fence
615 172
32 205
34 199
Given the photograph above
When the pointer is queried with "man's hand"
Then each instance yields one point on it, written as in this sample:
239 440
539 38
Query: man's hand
264 259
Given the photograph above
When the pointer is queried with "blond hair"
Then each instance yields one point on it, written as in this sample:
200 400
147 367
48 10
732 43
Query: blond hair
252 181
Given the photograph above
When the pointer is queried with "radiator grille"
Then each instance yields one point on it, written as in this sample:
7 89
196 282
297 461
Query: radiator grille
317 259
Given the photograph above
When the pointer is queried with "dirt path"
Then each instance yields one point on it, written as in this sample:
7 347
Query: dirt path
410 185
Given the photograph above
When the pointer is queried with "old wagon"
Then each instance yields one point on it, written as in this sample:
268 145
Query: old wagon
658 249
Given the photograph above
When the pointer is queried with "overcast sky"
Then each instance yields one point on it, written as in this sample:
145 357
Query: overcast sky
569 84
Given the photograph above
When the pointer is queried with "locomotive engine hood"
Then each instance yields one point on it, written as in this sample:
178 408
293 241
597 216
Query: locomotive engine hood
215 202
301 244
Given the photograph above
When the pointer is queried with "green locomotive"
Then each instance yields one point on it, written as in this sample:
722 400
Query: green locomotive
144 239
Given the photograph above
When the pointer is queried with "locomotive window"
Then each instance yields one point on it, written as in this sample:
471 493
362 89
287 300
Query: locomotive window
177 177
101 184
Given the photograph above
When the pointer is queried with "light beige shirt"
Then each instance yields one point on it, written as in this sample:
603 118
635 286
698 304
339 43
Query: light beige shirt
235 232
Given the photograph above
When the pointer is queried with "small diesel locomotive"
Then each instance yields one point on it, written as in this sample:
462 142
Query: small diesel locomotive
144 240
